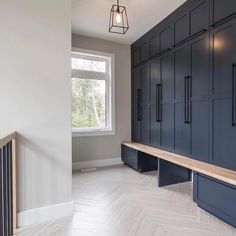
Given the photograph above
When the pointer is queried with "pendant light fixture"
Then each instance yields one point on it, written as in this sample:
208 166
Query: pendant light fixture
118 19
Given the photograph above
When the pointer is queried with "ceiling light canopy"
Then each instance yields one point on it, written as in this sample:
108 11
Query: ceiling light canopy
118 19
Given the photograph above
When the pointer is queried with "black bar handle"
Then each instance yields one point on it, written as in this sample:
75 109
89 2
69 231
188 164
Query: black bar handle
139 107
189 99
158 102
233 95
185 100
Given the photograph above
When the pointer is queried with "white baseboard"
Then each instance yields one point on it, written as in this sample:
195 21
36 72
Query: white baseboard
43 214
97 163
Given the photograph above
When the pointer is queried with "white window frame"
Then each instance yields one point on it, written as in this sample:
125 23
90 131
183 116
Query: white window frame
110 87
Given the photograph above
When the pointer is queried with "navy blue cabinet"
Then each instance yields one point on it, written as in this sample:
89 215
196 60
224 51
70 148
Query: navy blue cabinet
141 104
139 161
154 45
144 52
199 99
155 105
140 54
220 10
166 106
199 17
191 102
181 28
165 38
223 97
215 197
184 93
181 100
184 97
192 22
161 78
135 56
145 102
136 105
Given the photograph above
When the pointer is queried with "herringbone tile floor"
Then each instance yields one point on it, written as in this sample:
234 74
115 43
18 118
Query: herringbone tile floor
119 201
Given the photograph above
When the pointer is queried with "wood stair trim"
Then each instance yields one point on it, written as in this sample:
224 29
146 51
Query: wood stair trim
223 174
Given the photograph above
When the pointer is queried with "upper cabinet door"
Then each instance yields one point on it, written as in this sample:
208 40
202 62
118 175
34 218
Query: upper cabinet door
144 52
136 86
199 18
135 56
154 44
181 70
222 9
181 28
145 84
154 70
165 38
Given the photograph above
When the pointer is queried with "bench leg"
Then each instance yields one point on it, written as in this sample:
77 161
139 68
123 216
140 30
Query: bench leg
169 173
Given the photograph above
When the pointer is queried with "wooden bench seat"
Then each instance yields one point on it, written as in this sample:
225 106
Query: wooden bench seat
213 171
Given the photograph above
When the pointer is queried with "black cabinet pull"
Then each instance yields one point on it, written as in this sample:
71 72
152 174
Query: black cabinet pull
185 99
158 102
189 99
233 95
139 107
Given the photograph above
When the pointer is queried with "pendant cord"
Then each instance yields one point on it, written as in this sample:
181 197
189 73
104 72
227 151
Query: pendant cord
118 8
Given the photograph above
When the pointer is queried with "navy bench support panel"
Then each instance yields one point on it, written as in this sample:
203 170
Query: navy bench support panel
169 173
139 161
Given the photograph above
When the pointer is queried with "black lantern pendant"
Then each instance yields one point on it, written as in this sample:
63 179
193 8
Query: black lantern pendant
118 19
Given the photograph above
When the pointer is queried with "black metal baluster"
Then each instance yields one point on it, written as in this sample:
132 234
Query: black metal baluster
9 160
5 171
1 194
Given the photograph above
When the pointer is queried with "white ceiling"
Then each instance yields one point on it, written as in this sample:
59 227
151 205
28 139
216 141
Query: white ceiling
91 17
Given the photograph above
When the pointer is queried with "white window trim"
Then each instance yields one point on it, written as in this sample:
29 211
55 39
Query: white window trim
79 132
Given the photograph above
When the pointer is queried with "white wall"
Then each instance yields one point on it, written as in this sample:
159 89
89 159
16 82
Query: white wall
107 147
35 96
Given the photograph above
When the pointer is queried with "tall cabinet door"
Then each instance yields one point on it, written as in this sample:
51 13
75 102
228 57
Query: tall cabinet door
145 88
136 105
224 96
155 105
199 82
181 106
166 70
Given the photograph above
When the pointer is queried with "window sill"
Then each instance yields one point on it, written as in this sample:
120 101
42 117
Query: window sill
92 133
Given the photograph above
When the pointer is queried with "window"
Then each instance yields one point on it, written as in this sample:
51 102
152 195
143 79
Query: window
93 95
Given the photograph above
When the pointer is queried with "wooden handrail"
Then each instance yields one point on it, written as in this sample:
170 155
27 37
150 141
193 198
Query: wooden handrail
6 139
4 142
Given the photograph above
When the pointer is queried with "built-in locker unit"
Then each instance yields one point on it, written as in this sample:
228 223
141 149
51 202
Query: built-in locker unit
184 90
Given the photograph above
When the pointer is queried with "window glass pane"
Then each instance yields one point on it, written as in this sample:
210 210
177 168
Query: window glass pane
89 65
88 103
